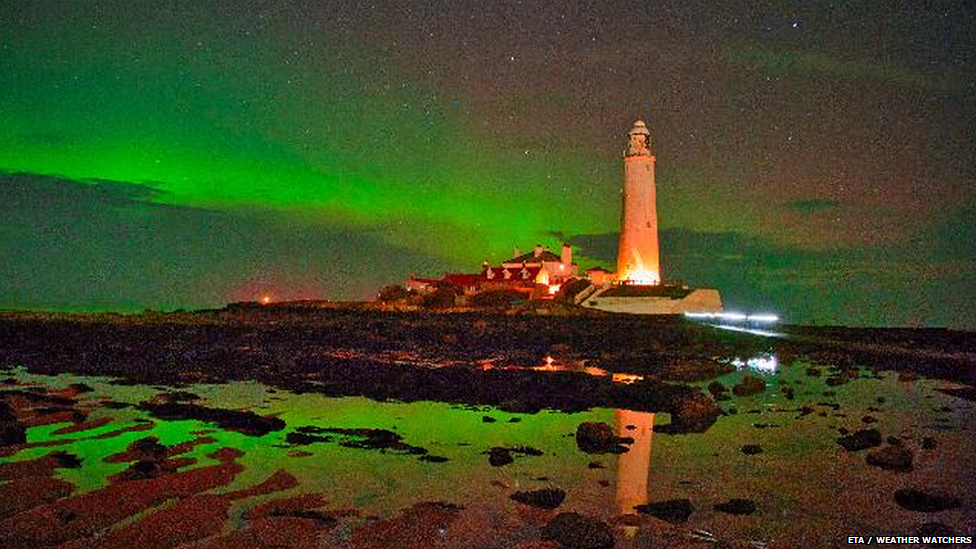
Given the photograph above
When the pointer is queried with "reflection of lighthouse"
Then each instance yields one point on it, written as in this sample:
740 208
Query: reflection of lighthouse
637 255
634 466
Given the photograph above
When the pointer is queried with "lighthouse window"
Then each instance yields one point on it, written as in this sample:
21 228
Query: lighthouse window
648 224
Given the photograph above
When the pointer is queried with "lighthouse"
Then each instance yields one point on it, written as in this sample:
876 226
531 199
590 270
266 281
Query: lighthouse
639 289
637 256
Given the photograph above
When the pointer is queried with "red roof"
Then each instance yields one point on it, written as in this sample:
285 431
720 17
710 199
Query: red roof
461 279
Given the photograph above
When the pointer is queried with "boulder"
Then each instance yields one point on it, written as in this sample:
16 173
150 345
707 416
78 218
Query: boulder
672 510
752 449
575 531
860 440
599 438
750 385
694 413
498 457
11 430
891 458
931 501
547 498
717 390
737 506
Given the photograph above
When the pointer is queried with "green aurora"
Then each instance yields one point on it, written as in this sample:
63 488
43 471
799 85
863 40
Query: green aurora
191 154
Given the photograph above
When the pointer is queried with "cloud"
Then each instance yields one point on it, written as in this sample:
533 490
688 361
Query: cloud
882 285
108 245
810 206
818 63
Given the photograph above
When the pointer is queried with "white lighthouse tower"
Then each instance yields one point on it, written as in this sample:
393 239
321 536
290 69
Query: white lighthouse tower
638 261
639 289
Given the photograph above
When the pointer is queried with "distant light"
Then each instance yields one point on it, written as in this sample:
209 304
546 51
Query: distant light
266 299
764 363
735 317
763 318
554 289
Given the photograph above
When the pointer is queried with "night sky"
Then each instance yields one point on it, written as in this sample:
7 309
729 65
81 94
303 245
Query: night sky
814 159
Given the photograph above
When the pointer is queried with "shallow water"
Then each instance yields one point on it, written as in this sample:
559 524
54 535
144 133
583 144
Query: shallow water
805 486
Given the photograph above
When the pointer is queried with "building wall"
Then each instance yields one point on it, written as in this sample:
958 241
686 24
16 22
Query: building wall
638 246
701 300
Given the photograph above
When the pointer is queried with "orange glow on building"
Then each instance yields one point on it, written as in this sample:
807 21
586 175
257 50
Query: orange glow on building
642 276
634 466
638 260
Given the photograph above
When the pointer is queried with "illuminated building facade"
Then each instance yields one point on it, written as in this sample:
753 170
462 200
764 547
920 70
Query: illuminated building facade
638 260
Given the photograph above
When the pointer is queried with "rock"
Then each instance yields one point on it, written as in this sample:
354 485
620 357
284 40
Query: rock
788 393
301 437
860 440
488 419
694 413
244 422
547 498
599 438
576 531
515 420
929 443
716 389
752 449
11 430
737 506
596 465
80 388
869 419
672 510
813 372
65 460
893 440
525 450
750 385
433 459
498 457
914 499
891 458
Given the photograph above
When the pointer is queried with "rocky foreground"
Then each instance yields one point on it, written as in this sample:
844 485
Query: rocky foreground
164 498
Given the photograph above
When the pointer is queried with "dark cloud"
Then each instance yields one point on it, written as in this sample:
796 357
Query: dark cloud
811 206
819 63
884 285
108 245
